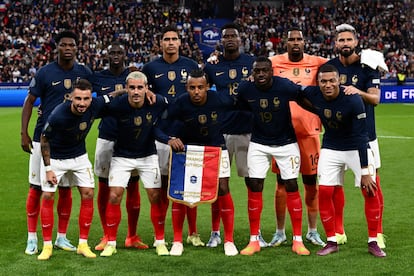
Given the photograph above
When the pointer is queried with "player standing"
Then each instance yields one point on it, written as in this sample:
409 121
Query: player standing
302 69
167 76
200 113
345 144
134 150
52 84
106 81
361 79
226 72
65 157
273 136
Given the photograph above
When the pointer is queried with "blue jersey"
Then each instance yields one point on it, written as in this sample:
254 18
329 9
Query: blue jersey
135 137
362 77
104 82
272 124
201 124
66 131
53 85
227 75
169 80
344 120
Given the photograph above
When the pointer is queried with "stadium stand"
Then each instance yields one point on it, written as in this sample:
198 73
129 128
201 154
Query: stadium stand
27 29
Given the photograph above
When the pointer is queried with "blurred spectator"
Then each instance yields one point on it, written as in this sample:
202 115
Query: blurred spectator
26 28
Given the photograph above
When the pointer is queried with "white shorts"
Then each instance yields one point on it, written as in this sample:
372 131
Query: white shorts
163 151
375 150
225 167
103 155
237 145
147 167
35 167
332 165
70 172
287 157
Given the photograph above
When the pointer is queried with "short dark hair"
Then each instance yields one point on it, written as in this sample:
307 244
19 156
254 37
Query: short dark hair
68 34
230 26
82 84
169 28
327 68
263 59
198 73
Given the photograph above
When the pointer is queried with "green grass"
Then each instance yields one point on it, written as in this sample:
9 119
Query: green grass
395 124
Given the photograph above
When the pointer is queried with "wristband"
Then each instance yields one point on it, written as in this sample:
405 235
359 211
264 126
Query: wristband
365 171
48 168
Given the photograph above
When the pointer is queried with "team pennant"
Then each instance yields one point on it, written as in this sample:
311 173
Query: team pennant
194 175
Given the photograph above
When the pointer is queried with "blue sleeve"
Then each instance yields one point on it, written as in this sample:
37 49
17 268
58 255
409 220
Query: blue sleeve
359 127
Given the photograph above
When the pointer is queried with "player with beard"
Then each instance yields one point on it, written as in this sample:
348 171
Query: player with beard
302 69
357 78
65 157
106 81
53 85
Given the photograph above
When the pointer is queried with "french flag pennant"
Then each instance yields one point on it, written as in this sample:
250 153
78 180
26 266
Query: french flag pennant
194 175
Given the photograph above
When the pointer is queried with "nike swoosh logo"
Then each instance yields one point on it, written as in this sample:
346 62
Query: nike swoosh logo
158 76
297 209
105 88
56 82
219 73
45 225
111 225
281 71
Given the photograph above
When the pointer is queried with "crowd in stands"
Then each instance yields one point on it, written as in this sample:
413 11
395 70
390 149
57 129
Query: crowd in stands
27 29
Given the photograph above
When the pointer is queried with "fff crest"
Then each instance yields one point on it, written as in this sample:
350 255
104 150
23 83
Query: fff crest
138 121
82 126
119 87
264 103
232 73
67 83
171 75
202 119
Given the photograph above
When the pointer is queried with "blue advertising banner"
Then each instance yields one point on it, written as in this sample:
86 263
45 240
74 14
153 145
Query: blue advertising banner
397 94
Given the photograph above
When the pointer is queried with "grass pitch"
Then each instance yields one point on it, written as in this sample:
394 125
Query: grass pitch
395 124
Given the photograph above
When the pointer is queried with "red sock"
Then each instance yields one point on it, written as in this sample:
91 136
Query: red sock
133 205
103 197
372 213
113 218
33 209
85 218
192 220
280 202
215 216
327 209
178 215
227 215
339 202
294 206
311 198
158 220
254 206
381 203
47 219
164 201
64 209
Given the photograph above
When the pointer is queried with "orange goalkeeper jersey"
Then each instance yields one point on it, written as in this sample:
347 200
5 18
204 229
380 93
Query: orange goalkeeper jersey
304 73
